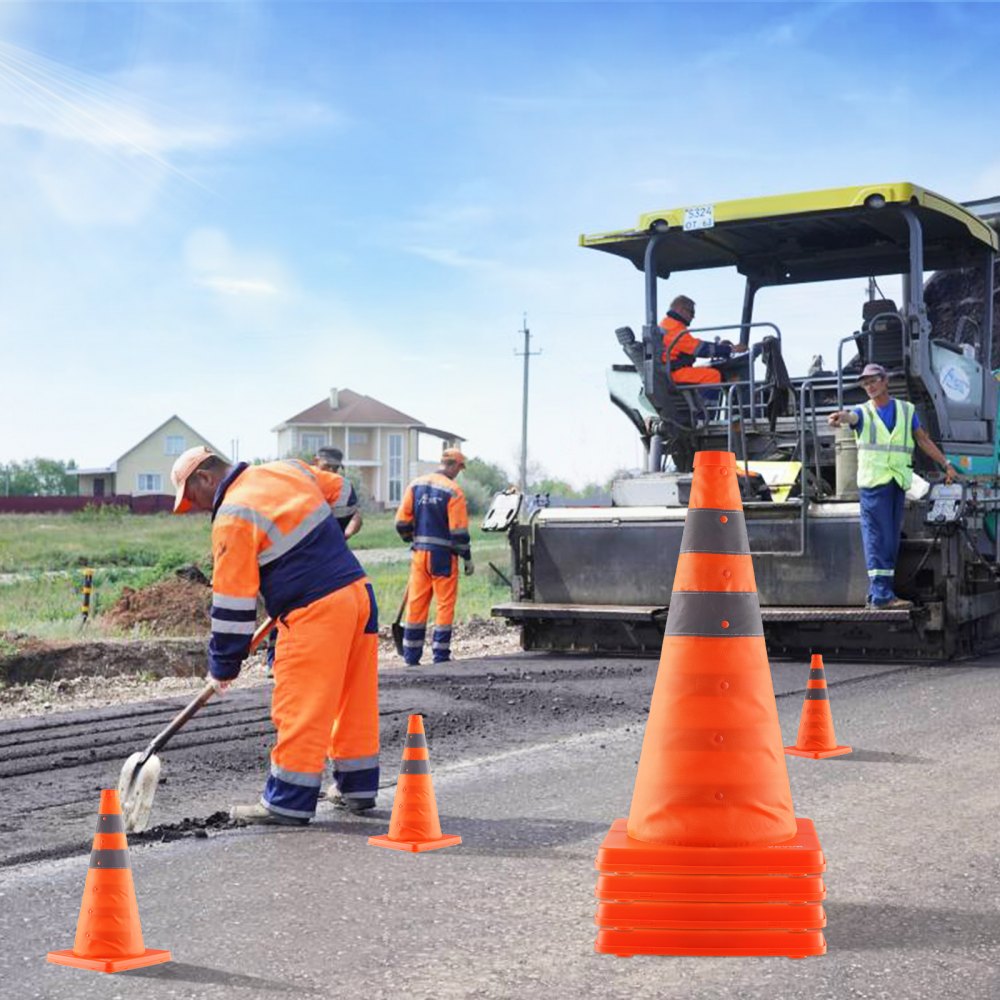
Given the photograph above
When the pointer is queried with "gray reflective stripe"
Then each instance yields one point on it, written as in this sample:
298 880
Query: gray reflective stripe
286 543
109 859
415 626
817 675
704 531
415 767
258 520
222 625
345 510
703 612
431 540
300 467
415 740
282 811
230 603
110 823
441 644
304 779
413 643
442 629
881 572
355 763
901 449
817 694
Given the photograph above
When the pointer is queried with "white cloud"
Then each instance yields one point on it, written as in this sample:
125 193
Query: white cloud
237 286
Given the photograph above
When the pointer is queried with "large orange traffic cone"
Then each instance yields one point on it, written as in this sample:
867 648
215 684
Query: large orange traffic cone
414 825
108 933
711 824
816 737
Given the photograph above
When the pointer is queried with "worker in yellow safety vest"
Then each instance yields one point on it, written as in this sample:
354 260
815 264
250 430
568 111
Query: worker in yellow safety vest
885 430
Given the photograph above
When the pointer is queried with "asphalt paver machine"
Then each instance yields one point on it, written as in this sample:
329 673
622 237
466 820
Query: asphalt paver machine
599 578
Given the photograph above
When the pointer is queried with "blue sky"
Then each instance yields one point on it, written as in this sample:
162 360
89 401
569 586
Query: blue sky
223 210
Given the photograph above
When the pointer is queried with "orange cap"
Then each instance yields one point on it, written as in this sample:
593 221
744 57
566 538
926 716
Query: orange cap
453 455
186 464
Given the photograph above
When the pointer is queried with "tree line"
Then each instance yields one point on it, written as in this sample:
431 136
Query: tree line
38 477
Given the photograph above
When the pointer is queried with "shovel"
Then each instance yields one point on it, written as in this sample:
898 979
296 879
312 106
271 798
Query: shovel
141 772
397 628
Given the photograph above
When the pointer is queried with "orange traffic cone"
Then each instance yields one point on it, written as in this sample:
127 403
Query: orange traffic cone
712 859
108 933
414 825
816 737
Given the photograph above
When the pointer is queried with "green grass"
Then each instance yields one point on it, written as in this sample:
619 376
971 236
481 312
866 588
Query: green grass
135 551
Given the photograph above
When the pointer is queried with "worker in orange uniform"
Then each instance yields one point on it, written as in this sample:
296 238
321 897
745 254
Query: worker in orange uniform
434 519
275 531
680 349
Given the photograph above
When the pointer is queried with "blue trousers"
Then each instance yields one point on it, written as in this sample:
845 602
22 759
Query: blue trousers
881 528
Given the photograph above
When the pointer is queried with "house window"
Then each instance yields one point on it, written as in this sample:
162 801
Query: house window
357 437
150 482
175 444
395 468
312 443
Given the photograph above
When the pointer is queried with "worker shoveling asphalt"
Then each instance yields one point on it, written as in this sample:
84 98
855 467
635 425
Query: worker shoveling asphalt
140 775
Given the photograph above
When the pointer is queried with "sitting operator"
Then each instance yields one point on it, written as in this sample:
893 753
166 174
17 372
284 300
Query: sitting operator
680 349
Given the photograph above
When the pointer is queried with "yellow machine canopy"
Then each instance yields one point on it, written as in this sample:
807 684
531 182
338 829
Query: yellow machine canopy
849 232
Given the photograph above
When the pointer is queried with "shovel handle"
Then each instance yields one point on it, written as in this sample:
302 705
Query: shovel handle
159 741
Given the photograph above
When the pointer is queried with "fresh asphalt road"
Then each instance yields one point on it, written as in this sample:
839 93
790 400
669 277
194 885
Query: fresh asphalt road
908 822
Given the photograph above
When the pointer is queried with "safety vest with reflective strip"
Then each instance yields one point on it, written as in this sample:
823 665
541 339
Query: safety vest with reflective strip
433 516
884 456
274 533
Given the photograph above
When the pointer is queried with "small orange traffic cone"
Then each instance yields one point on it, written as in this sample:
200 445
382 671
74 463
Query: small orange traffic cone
816 737
108 933
712 859
414 825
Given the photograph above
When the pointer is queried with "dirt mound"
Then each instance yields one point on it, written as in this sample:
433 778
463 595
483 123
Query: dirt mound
955 307
181 605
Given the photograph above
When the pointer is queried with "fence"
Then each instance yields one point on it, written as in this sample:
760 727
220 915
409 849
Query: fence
151 503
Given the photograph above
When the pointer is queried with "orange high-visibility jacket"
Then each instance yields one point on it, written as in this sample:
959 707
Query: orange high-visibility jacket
274 532
684 348
433 517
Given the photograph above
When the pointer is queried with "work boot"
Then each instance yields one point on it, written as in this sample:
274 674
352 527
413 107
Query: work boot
898 604
259 813
352 805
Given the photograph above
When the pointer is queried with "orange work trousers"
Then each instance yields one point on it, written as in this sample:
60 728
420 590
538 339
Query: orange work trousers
325 701
697 376
419 589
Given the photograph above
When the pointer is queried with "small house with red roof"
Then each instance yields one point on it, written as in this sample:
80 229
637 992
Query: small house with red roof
381 444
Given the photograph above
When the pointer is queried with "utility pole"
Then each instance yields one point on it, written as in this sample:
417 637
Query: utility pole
527 353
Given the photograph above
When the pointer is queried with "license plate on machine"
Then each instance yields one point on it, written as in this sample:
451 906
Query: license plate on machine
699 217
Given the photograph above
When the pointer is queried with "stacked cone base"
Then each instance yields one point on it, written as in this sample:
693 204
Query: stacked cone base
817 754
414 845
658 899
151 956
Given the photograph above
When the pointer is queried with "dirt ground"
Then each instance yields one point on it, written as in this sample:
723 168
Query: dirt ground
44 677
181 605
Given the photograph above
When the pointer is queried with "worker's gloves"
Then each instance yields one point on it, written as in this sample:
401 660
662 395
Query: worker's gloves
221 687
469 568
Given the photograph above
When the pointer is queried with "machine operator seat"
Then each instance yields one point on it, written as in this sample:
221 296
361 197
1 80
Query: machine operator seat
680 407
881 318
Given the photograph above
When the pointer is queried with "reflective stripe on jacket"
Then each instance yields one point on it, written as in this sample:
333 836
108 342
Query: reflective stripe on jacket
273 533
884 456
433 516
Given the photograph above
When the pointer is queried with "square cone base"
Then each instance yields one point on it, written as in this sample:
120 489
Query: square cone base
414 846
802 855
817 754
666 899
151 956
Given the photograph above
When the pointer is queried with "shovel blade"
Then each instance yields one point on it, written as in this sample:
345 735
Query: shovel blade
397 637
136 789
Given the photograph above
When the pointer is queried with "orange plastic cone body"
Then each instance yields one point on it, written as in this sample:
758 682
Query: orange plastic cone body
108 932
414 825
816 737
712 859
